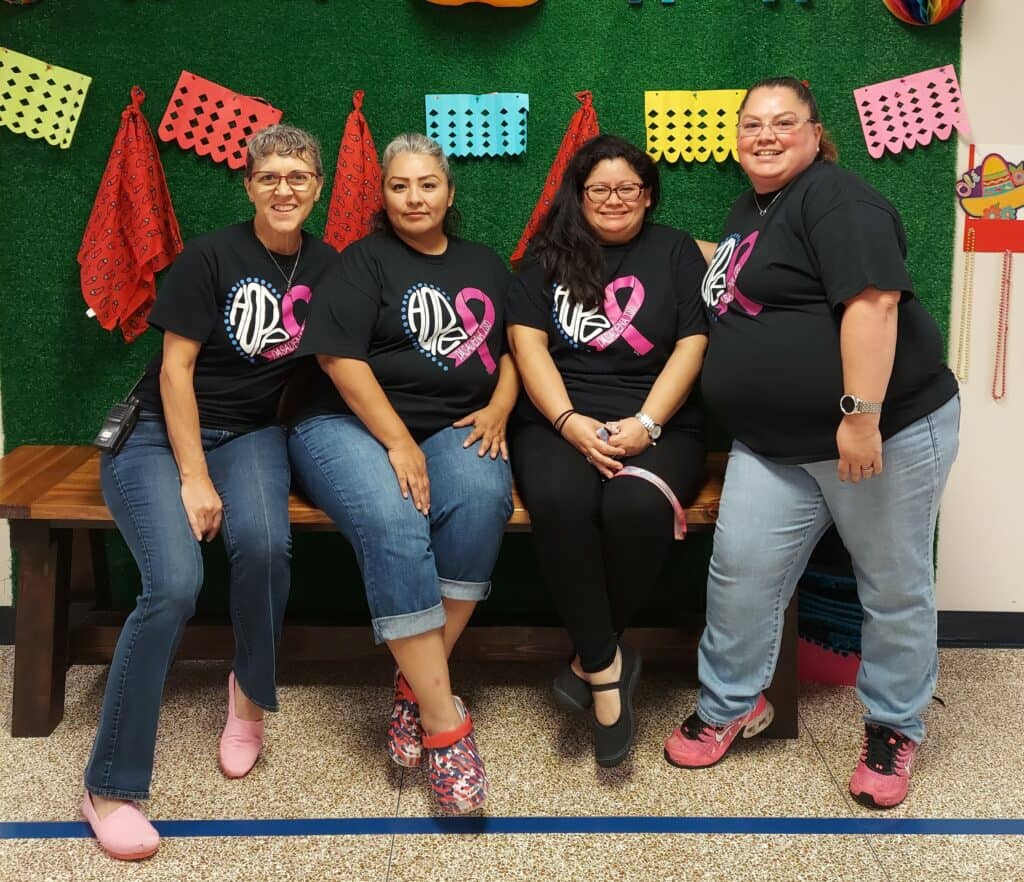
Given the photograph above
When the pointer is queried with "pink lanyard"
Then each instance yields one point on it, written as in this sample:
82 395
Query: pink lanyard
679 524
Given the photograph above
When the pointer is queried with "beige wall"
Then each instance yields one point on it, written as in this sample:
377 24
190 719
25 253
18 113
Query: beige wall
981 528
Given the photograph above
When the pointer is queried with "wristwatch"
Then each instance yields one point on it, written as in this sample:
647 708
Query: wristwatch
851 404
653 429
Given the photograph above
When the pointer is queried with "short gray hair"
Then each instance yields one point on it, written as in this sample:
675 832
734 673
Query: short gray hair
414 142
284 141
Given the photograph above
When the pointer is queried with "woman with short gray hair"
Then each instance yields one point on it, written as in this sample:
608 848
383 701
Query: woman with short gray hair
207 453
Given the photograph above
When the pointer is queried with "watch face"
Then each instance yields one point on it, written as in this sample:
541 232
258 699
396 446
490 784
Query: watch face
655 433
848 404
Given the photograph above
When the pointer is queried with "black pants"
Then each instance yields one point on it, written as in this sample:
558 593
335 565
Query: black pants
601 543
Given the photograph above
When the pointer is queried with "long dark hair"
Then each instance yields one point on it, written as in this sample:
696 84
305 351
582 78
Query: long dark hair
827 151
565 245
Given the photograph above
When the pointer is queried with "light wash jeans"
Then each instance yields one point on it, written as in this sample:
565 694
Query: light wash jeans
408 561
142 489
770 519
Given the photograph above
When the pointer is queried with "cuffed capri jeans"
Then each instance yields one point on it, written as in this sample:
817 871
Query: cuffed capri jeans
142 488
409 561
770 519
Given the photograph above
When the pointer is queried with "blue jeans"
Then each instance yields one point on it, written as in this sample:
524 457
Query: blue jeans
142 489
408 561
770 519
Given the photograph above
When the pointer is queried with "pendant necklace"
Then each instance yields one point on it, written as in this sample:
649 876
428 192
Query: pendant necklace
764 211
286 276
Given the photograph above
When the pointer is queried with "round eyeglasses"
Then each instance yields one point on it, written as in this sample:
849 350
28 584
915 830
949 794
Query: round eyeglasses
296 180
751 128
598 193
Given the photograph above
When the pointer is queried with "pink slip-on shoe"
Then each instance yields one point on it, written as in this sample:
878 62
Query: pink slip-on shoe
456 771
241 740
405 733
882 776
697 745
125 833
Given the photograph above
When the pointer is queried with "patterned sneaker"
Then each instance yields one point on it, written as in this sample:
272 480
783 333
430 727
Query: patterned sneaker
405 734
697 745
456 771
883 773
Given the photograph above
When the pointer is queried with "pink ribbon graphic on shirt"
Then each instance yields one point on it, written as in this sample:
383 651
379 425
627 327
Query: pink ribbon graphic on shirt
622 319
736 263
289 322
477 330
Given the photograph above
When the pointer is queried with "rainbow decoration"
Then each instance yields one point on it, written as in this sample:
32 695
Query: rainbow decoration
922 12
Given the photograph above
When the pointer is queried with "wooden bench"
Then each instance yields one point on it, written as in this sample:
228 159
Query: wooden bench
51 496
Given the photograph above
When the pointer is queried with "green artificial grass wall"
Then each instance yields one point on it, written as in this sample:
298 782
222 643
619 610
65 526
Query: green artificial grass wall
59 371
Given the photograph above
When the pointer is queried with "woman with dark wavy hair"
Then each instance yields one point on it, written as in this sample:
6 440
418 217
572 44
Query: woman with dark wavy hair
608 332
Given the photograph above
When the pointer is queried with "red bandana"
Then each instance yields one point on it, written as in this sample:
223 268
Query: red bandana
356 193
582 127
132 232
213 120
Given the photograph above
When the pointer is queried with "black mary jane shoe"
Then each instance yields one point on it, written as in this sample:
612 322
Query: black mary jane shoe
612 743
571 693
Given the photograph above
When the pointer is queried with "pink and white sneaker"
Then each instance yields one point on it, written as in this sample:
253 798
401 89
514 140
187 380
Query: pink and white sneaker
697 745
455 768
405 733
882 776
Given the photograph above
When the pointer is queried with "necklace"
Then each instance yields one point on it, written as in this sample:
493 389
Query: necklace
764 211
966 304
286 276
1003 327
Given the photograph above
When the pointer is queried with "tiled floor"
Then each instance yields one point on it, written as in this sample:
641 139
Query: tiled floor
539 763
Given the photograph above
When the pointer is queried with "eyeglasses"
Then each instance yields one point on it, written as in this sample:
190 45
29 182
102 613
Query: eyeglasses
296 180
598 193
751 128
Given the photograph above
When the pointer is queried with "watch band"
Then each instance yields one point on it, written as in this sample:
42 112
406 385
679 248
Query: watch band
650 426
851 404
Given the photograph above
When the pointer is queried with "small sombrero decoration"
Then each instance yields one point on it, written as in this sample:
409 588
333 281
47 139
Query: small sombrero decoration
995 192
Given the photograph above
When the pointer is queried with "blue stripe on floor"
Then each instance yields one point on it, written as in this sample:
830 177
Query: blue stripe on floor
527 825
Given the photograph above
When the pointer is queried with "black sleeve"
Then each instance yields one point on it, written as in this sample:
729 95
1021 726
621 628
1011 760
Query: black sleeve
527 303
342 322
186 304
689 269
858 244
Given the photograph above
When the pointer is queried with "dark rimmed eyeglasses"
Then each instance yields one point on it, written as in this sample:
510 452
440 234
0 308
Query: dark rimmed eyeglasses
598 193
296 180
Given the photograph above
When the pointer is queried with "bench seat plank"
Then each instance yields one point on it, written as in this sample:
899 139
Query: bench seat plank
62 484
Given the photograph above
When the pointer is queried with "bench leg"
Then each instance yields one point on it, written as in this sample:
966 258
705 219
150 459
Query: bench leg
41 626
783 691
90 581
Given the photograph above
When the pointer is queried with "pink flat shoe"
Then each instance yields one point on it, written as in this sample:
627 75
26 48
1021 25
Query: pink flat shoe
124 834
241 740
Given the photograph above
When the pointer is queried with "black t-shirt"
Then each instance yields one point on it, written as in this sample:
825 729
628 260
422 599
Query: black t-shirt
610 356
225 292
774 293
431 327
